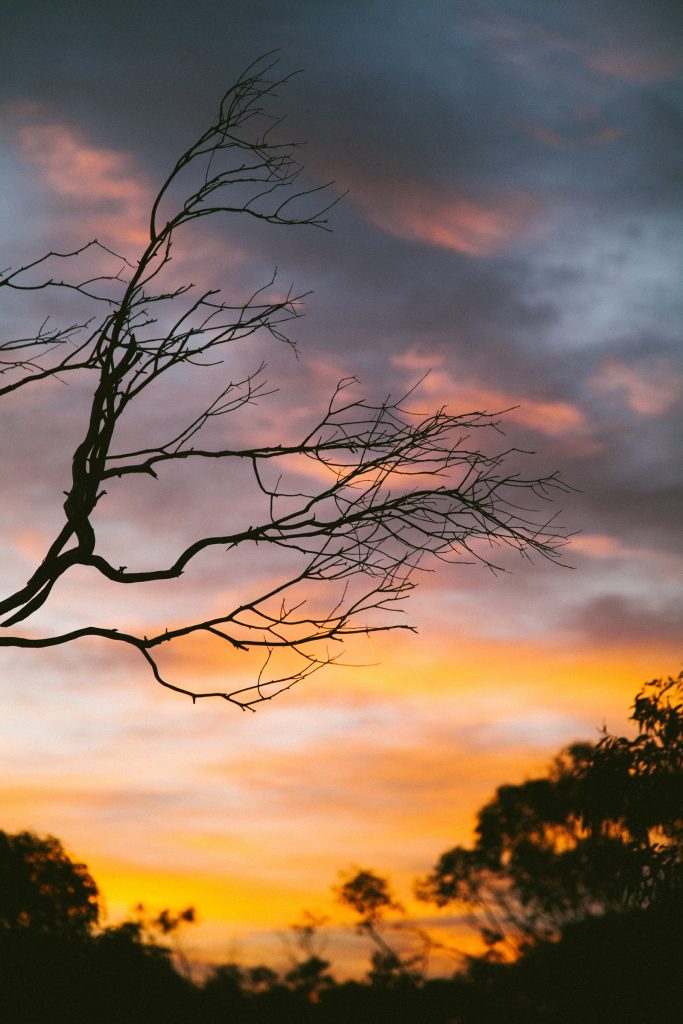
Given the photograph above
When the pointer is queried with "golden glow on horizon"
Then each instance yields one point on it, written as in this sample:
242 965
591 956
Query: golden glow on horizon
250 817
257 867
239 901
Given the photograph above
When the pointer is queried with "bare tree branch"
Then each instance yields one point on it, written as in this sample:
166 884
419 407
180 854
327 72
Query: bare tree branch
383 486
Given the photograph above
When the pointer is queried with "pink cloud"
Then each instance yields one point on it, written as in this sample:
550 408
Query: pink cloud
602 546
444 218
72 167
549 417
527 43
100 188
636 67
94 191
552 418
30 543
563 141
596 545
648 391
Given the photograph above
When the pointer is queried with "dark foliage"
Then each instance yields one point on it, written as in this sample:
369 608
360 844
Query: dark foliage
621 968
108 978
42 889
57 964
586 864
601 833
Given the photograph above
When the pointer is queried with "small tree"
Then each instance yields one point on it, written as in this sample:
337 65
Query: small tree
370 897
308 973
391 485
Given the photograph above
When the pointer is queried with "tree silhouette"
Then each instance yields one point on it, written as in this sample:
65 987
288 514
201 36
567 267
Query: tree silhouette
369 895
56 961
384 485
574 882
581 871
42 889
602 833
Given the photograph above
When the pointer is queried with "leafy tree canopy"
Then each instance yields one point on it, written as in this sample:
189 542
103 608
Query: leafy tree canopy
601 832
42 889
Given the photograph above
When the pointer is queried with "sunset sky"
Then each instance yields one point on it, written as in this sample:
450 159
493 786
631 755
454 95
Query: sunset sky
512 224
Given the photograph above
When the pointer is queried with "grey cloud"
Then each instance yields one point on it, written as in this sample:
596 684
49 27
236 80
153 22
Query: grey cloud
456 100
615 619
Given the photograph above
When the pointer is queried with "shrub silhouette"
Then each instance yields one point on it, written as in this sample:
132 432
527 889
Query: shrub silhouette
56 964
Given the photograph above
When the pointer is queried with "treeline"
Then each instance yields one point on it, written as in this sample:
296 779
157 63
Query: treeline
574 883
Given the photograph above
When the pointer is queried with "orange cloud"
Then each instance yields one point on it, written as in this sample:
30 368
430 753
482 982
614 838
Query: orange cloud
549 417
563 141
383 766
596 545
649 391
443 218
237 901
31 544
636 67
109 194
72 167
526 43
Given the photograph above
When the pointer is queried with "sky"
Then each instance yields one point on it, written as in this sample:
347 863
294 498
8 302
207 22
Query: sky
511 222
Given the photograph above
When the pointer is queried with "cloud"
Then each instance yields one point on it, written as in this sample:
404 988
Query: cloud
597 545
616 619
439 216
100 187
649 390
414 786
550 417
32 544
531 169
626 45
567 140
637 66
664 565
71 167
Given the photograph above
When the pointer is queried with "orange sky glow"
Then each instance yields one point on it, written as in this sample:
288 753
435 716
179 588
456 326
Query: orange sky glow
382 761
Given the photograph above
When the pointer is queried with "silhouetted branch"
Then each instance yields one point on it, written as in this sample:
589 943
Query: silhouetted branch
386 486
